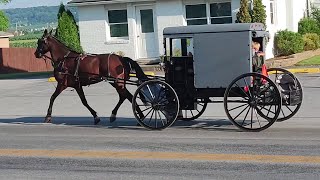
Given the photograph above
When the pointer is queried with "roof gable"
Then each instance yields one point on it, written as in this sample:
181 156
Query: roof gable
5 34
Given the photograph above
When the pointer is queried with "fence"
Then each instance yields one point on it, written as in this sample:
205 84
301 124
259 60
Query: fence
13 60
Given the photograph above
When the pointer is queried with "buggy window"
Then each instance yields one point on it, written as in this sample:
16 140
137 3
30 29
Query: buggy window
182 47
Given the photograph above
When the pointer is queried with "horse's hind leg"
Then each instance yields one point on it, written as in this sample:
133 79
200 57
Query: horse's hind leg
56 93
85 103
130 98
122 97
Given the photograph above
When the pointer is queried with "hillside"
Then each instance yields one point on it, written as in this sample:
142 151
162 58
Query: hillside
27 18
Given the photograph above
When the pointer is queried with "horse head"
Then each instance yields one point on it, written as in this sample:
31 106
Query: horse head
43 44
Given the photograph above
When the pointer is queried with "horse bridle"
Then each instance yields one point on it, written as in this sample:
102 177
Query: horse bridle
45 57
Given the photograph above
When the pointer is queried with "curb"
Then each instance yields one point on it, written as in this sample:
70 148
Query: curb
304 70
149 73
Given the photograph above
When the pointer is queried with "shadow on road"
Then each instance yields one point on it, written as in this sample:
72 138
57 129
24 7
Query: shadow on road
123 123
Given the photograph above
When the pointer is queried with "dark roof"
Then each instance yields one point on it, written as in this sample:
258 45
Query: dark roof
5 34
85 1
80 2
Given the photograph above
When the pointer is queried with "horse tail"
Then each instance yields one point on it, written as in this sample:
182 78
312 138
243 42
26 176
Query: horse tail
135 66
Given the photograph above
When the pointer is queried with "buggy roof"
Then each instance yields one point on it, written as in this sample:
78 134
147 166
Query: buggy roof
214 28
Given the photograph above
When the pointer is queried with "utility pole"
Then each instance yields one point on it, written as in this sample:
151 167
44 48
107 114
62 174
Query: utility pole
308 7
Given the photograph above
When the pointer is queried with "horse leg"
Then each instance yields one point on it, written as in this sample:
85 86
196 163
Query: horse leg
56 93
122 97
85 103
130 98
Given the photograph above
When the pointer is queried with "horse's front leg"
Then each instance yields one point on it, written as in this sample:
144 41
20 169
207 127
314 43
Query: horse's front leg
85 103
56 93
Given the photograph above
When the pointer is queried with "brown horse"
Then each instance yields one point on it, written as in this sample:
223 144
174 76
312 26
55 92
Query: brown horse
75 70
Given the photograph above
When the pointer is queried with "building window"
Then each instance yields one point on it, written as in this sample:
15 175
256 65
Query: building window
118 23
209 13
220 13
272 13
147 21
196 14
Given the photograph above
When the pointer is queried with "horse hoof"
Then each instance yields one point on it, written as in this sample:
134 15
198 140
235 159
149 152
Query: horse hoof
96 120
112 119
48 119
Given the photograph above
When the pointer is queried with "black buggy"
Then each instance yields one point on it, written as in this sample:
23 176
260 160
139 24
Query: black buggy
210 62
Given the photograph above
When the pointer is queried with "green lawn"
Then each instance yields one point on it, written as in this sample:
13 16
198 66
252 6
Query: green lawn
310 62
25 41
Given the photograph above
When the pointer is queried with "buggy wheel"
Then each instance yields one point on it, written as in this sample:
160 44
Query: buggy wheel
287 111
158 104
189 115
252 102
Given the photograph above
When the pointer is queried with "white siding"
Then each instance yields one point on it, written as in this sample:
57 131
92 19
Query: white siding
169 13
95 32
315 2
287 15
92 28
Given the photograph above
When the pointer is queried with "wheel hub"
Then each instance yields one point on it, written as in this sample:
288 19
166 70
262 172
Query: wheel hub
253 103
156 106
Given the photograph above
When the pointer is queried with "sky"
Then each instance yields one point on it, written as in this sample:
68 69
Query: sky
31 3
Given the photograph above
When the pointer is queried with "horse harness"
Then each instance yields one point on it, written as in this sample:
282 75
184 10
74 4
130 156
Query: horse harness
60 65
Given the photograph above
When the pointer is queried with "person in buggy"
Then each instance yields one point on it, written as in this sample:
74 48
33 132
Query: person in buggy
258 57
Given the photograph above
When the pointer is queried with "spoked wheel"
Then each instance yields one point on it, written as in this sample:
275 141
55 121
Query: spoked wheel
189 115
287 111
155 105
252 102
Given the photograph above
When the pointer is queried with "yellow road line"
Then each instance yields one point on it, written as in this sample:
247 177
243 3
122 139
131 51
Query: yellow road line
300 70
305 70
149 73
160 156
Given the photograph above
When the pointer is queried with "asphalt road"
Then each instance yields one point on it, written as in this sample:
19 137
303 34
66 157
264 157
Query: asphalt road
209 148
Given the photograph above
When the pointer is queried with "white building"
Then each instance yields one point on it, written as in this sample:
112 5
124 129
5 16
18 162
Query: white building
315 2
135 26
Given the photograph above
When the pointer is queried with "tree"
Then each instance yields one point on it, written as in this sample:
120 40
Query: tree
315 14
62 9
67 30
243 16
258 14
5 1
4 21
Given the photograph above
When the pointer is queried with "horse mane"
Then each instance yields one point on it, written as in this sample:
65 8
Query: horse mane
70 49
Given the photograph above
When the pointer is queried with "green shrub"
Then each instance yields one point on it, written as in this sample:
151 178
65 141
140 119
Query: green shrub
288 42
308 25
23 44
27 37
311 41
308 44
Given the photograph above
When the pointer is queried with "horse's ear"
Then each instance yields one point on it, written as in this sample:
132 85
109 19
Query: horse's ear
50 32
45 32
